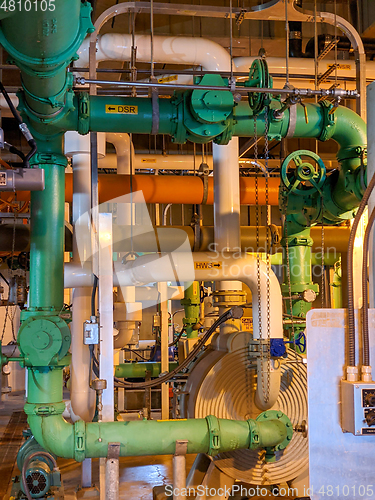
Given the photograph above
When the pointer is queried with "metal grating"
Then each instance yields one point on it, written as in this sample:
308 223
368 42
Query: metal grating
9 444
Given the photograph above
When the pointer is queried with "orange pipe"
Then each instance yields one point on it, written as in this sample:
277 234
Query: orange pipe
171 189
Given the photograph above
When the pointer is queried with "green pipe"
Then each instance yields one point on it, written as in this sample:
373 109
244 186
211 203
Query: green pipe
191 303
148 437
316 258
42 44
47 232
140 370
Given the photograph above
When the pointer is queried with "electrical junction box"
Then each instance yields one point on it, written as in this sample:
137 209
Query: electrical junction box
91 331
358 407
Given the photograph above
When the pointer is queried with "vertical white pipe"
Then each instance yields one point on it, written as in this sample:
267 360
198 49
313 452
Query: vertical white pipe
370 173
227 202
82 397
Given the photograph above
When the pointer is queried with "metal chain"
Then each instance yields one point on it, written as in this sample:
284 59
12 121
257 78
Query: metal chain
268 254
285 224
258 256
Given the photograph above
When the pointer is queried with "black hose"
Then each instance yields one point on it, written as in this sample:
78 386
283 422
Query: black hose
93 295
365 329
351 320
234 312
177 338
24 129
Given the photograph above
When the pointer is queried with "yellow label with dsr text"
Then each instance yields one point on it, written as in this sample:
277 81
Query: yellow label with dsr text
121 109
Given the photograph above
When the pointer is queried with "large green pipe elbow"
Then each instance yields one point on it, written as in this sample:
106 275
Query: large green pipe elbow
209 435
43 43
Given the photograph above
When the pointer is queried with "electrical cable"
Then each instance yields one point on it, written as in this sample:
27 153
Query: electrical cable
93 295
235 312
177 338
136 353
365 327
351 319
24 129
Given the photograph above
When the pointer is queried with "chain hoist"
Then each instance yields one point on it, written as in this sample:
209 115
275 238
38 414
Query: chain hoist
268 254
265 380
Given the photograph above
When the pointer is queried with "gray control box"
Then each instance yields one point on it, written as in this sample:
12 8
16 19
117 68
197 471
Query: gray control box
91 331
358 407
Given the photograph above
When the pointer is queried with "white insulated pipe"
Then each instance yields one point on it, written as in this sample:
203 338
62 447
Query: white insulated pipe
125 217
192 51
156 162
227 202
197 266
82 396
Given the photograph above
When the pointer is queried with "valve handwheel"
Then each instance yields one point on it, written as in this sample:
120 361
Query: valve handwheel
300 176
259 77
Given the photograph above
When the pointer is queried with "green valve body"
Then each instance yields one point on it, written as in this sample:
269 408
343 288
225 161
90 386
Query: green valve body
191 303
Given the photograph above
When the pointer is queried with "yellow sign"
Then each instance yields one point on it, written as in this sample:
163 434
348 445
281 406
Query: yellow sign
148 160
167 79
247 324
207 265
121 109
346 67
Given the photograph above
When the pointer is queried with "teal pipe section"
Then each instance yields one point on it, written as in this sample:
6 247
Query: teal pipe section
43 42
47 232
140 370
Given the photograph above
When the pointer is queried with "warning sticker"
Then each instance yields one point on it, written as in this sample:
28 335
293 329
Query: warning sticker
208 265
166 79
120 109
3 179
247 324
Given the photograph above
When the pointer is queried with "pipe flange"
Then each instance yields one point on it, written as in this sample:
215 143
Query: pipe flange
79 440
269 415
214 432
329 121
44 410
83 113
229 298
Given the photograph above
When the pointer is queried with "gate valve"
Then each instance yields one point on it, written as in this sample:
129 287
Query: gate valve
306 177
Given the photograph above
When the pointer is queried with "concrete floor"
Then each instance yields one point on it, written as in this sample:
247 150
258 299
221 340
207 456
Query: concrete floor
138 475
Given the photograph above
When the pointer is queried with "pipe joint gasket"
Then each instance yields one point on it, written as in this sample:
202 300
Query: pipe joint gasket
329 121
83 113
214 435
44 410
79 440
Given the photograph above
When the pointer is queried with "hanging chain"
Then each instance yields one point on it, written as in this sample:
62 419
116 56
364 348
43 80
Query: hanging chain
257 226
268 255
